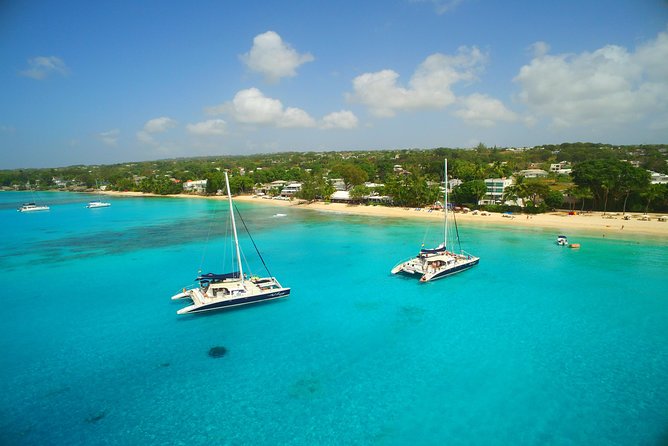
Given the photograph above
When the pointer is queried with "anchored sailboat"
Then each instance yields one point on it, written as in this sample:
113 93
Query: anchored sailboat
217 291
32 207
439 262
97 203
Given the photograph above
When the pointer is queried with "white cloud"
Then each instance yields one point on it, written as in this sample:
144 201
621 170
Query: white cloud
251 106
343 119
295 117
429 87
441 6
159 125
42 66
539 49
110 137
206 128
273 58
483 110
606 87
155 126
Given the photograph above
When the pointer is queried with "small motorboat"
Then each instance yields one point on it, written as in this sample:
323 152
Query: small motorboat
574 245
562 240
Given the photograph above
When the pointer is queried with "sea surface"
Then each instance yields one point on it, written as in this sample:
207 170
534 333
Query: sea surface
538 344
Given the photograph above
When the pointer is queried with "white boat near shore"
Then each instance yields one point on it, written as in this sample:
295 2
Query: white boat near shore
32 207
218 291
442 261
97 204
94 204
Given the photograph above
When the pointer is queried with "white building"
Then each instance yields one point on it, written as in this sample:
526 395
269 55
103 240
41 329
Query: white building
533 173
452 183
340 196
197 186
658 178
338 183
291 189
495 190
372 185
561 168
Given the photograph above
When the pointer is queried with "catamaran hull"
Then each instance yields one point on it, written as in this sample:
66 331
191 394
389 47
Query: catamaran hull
400 269
449 272
228 303
37 209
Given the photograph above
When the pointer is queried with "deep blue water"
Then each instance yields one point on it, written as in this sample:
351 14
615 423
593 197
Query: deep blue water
538 344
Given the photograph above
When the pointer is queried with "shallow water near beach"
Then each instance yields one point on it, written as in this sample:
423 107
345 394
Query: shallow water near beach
538 344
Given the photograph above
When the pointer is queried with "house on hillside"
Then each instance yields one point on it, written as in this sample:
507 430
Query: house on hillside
533 173
561 168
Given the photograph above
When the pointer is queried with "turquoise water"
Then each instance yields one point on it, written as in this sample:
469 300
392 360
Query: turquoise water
536 345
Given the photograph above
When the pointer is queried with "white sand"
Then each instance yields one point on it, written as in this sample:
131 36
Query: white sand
595 223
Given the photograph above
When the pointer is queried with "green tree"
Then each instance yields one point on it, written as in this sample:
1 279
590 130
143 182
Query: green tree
631 179
652 192
314 187
581 193
411 190
359 192
351 174
554 199
519 190
600 176
215 181
536 191
469 192
241 184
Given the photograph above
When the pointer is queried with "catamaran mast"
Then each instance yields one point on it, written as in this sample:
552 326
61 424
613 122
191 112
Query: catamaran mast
234 227
445 225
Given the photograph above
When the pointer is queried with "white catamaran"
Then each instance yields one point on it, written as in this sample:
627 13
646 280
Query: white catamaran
217 291
97 203
432 264
32 207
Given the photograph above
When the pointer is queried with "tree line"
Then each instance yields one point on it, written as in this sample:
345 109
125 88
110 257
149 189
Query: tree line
602 177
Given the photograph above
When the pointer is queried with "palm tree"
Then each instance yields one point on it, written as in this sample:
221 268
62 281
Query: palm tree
652 192
606 185
517 191
582 193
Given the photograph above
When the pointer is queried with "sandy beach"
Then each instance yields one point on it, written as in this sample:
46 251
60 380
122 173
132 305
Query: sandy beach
612 225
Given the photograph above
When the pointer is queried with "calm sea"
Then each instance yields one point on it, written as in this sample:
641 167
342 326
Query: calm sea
538 344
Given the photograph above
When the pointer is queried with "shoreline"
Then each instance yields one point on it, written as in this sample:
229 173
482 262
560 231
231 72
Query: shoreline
590 223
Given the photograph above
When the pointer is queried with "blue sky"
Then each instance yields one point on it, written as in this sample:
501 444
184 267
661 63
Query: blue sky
104 82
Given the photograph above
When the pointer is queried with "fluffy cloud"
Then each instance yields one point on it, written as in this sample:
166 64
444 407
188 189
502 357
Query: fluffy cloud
153 127
610 85
273 58
207 128
483 110
343 119
110 138
429 87
42 66
251 106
